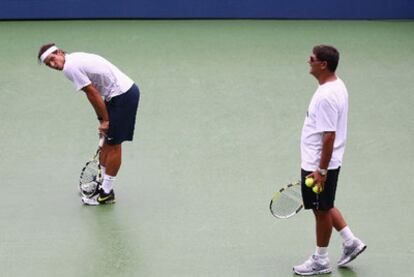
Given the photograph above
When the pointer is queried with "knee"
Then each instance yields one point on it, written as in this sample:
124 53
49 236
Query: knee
113 147
321 214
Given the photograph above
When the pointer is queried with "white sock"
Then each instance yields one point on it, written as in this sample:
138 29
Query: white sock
103 172
321 252
347 235
107 183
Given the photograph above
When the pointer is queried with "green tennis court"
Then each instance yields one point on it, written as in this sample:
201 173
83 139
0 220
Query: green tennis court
218 130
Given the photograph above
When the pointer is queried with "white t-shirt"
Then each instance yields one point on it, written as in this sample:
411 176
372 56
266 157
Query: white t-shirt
327 112
84 69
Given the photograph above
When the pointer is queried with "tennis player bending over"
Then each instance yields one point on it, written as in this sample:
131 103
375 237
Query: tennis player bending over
322 148
114 97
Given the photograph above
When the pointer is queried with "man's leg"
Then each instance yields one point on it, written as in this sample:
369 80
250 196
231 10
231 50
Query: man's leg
318 263
323 227
111 160
338 221
352 246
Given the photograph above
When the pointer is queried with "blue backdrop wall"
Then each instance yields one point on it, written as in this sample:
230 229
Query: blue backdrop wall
294 9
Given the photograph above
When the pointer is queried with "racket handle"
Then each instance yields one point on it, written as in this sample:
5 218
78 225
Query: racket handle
101 141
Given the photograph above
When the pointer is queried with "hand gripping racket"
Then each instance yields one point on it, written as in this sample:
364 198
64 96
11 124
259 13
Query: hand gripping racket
91 174
287 201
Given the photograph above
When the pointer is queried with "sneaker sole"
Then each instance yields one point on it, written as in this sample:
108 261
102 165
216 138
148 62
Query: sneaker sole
93 202
89 202
325 271
353 256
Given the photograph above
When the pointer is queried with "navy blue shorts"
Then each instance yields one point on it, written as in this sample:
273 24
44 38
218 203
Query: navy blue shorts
122 110
323 201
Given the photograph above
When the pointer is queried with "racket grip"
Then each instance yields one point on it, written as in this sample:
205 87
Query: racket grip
101 141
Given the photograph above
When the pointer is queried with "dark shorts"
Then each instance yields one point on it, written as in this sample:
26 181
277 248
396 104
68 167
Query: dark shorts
325 200
122 110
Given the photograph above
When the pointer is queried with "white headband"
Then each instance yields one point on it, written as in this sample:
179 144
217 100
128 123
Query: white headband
48 52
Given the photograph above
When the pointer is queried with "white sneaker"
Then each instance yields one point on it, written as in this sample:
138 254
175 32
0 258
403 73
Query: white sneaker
90 201
351 252
314 265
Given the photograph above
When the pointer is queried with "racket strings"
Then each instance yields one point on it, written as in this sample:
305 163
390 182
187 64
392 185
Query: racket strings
88 181
91 176
90 172
287 202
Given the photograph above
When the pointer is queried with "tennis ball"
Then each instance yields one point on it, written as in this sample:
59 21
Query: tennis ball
316 190
309 182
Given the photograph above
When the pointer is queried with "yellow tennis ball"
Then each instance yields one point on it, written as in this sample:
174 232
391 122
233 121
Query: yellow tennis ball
316 190
309 182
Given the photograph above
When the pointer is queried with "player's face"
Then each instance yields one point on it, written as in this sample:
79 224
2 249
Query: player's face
55 61
315 65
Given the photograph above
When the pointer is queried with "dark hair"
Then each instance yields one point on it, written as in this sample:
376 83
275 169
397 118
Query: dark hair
328 54
43 49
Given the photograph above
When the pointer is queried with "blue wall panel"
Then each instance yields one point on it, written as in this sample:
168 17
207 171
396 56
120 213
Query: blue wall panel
295 9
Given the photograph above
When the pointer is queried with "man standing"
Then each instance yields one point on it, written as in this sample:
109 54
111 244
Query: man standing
114 97
322 148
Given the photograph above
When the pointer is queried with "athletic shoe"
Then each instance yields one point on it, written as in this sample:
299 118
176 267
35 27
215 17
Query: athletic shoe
314 265
90 201
351 252
99 198
106 198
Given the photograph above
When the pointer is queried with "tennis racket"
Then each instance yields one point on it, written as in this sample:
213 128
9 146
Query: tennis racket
91 174
287 201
